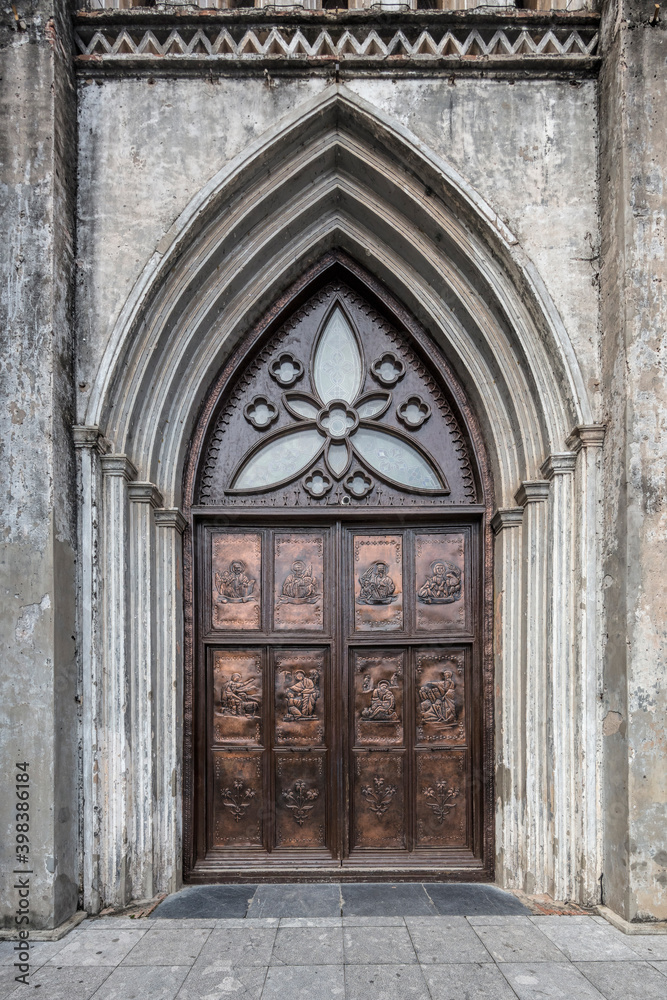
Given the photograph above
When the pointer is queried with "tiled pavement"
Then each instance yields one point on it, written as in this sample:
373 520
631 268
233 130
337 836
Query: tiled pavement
354 956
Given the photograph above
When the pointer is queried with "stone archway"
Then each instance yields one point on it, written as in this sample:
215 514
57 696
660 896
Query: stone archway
338 174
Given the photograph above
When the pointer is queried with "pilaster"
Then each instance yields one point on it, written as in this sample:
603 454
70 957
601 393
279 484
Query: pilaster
533 496
114 754
89 445
507 525
144 499
168 699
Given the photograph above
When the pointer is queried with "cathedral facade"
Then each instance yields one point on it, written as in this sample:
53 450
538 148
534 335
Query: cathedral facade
334 429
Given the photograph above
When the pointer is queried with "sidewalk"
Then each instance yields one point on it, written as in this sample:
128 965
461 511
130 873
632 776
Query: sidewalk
268 955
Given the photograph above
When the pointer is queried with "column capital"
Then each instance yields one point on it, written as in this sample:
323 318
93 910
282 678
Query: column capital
170 517
586 436
532 491
145 493
558 464
118 465
90 437
507 517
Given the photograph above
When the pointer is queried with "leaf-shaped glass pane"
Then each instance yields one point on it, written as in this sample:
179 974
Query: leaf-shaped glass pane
396 459
280 459
299 405
338 458
373 404
337 369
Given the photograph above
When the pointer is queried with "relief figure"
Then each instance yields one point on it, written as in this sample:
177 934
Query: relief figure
436 700
239 697
299 587
383 704
234 587
376 586
442 585
302 695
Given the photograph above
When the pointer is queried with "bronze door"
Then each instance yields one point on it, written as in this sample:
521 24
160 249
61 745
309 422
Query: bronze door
338 709
341 688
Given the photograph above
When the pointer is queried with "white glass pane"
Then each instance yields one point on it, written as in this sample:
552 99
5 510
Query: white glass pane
371 407
305 408
337 458
280 459
396 459
337 368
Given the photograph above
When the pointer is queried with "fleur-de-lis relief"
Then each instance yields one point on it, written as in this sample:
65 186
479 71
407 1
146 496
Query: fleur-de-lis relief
237 798
440 799
378 796
300 799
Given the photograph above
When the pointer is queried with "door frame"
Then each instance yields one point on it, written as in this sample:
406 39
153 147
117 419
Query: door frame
334 263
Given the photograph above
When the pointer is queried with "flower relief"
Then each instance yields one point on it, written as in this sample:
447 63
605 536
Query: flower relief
337 422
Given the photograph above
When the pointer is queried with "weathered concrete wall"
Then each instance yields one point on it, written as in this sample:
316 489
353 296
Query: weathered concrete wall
148 145
38 684
634 319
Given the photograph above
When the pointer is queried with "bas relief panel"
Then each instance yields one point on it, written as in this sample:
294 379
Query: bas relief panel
236 567
379 800
298 582
440 698
378 582
440 581
300 697
237 694
300 800
237 799
441 799
378 698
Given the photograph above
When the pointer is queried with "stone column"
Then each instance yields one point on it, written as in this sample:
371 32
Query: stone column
586 442
114 757
507 656
89 445
561 681
144 499
168 699
533 497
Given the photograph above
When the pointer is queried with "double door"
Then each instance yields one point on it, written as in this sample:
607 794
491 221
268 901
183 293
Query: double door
340 675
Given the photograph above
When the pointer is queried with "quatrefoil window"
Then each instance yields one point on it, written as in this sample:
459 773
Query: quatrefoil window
413 412
388 369
358 484
317 484
337 421
260 412
286 369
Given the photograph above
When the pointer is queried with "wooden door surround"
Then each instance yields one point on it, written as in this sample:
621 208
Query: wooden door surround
337 604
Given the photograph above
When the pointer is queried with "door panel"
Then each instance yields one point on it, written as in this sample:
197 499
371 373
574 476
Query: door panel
325 743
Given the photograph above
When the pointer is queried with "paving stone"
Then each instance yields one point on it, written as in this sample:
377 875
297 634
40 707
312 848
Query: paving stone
206 901
379 921
650 947
49 983
40 952
308 946
467 982
469 899
378 946
495 920
295 900
625 980
311 921
661 967
582 940
257 922
518 942
242 946
93 947
443 940
161 982
114 923
216 980
309 982
546 980
173 946
365 899
385 982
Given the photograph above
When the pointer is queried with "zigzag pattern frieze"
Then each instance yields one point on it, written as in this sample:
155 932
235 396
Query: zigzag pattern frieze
278 43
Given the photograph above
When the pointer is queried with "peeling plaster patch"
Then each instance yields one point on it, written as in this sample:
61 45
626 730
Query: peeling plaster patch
18 415
661 859
28 619
612 723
